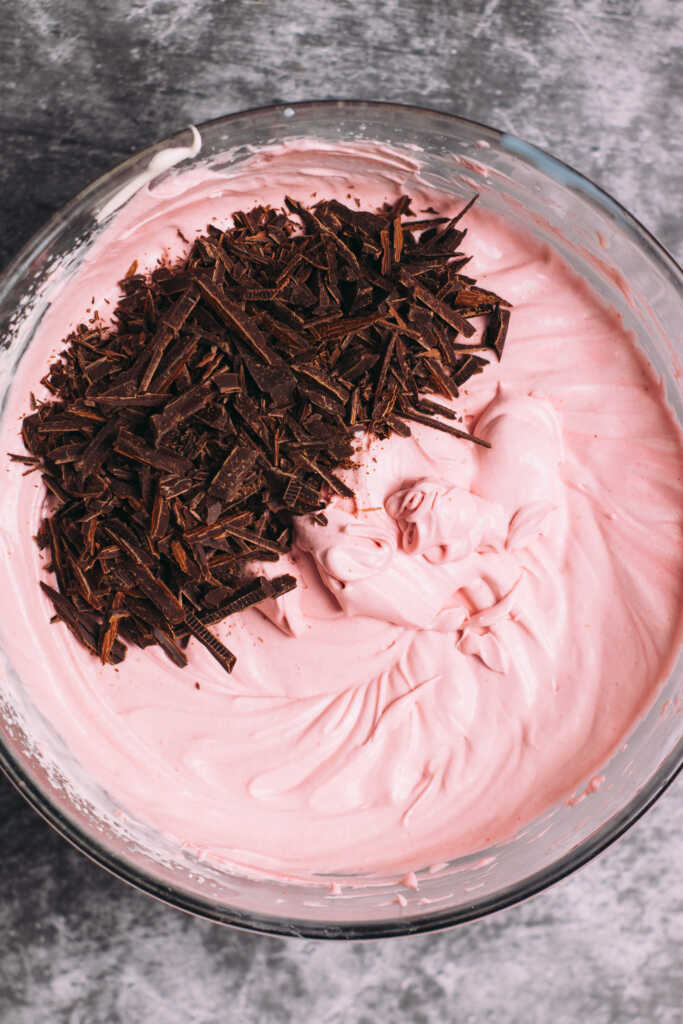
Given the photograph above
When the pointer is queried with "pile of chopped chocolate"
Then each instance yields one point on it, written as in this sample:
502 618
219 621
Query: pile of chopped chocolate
180 441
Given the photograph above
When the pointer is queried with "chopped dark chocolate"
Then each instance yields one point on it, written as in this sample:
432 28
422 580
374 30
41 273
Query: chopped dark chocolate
221 653
430 421
178 444
254 592
497 329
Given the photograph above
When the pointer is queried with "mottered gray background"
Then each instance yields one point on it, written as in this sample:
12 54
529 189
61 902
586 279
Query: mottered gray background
83 85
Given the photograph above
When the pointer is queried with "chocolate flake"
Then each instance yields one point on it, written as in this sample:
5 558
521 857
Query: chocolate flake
219 651
178 444
169 645
441 308
429 421
497 330
166 331
254 592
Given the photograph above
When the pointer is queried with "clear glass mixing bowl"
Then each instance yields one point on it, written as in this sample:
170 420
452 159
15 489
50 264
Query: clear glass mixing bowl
630 270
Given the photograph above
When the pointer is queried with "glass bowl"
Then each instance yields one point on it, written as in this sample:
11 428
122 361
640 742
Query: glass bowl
632 272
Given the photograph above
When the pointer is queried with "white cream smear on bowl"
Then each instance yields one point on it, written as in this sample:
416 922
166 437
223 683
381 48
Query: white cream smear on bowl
470 638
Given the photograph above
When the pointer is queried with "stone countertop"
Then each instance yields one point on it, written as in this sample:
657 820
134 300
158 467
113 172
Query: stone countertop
598 83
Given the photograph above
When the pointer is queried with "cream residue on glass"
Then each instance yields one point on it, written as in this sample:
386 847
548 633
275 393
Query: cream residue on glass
470 638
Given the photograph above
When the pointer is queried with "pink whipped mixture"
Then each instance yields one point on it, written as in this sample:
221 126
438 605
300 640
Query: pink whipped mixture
470 639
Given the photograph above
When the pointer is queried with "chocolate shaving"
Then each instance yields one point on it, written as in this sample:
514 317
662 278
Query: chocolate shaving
178 444
169 646
442 309
179 409
497 329
166 331
223 656
429 421
255 591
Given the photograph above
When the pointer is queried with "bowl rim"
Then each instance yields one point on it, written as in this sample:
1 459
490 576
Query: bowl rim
410 924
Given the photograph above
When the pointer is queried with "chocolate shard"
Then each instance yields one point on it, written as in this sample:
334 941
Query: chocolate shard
447 314
426 223
427 406
275 379
110 627
469 366
465 209
177 357
74 619
384 370
430 421
332 481
163 459
473 296
385 267
253 593
300 497
347 325
236 318
169 645
228 383
180 409
497 329
228 482
97 450
398 238
397 425
28 460
129 401
317 373
166 331
322 399
280 585
310 219
255 540
157 592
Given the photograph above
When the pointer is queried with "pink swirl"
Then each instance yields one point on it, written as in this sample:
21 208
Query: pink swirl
360 550
441 522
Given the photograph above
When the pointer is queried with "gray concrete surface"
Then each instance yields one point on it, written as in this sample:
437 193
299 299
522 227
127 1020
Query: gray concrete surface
84 84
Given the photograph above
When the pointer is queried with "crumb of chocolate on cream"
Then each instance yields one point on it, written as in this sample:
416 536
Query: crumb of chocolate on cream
178 443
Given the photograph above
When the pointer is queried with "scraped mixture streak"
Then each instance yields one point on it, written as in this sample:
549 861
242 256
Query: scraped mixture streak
469 639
